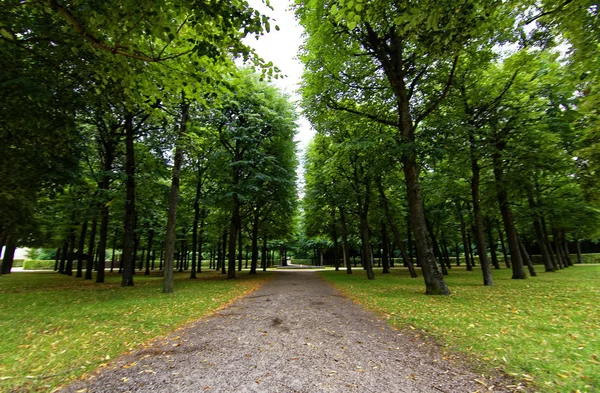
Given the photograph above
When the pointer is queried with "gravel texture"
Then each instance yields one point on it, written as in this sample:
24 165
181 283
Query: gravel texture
295 334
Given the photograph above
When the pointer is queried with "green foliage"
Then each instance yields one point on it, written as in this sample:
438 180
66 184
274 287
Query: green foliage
74 327
544 332
37 264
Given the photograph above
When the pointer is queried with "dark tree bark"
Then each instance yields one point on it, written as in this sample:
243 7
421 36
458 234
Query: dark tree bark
9 255
492 244
565 244
385 251
436 247
149 251
507 218
254 240
114 252
263 257
503 248
57 259
578 244
488 280
173 200
539 234
407 260
345 246
224 255
553 257
334 235
463 235
81 249
64 256
526 258
71 252
240 245
91 250
470 246
446 253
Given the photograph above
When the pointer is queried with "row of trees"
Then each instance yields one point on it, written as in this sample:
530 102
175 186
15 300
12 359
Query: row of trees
130 122
456 119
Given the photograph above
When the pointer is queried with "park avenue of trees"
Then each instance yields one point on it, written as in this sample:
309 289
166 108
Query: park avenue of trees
444 130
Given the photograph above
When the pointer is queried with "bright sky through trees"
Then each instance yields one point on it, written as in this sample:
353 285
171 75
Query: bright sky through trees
281 47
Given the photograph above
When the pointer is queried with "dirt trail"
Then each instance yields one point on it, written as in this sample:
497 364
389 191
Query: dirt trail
295 334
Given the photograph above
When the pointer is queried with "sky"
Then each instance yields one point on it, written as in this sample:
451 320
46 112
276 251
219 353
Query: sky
281 47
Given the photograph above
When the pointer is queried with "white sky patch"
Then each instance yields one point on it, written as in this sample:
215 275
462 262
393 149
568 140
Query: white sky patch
281 47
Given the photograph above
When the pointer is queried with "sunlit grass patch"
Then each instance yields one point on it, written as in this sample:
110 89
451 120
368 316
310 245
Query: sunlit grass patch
545 330
56 328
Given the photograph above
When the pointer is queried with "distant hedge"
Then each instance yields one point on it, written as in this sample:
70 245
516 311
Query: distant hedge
36 264
17 262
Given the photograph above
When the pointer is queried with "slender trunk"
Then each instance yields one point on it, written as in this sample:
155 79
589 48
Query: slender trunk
445 251
57 259
526 258
91 250
578 244
345 247
488 280
553 258
470 246
503 248
565 243
168 286
201 239
71 252
385 251
149 251
9 255
114 252
225 255
195 225
334 234
264 253
385 204
233 232
240 245
539 234
507 218
254 240
436 247
492 244
80 249
463 234
366 249
64 255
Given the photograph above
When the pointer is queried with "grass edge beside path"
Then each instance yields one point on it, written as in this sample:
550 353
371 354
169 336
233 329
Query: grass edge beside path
544 330
57 328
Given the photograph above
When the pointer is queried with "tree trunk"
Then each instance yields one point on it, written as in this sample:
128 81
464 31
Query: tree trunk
64 255
9 255
539 234
264 253
196 223
56 259
565 243
463 235
492 244
201 239
385 251
526 258
345 247
240 245
436 247
503 248
233 232
445 251
80 249
336 261
553 258
578 243
71 252
225 255
173 200
254 240
385 204
149 251
366 248
488 280
91 250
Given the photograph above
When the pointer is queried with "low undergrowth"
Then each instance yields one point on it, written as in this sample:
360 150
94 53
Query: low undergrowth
545 330
56 328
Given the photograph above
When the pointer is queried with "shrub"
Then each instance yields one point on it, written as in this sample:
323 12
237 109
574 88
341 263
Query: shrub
37 264
18 262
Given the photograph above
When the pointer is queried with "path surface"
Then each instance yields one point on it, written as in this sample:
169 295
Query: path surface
295 334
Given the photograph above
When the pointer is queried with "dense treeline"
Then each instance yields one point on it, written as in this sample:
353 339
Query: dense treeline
451 128
127 126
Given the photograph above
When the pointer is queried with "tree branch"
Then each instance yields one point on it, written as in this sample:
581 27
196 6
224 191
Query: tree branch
441 97
542 14
333 105
97 43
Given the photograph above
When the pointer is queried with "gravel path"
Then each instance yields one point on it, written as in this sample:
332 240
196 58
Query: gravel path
295 334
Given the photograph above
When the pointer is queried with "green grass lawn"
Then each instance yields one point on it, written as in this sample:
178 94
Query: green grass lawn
56 328
545 330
